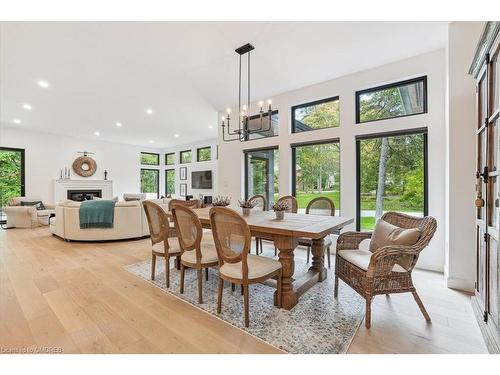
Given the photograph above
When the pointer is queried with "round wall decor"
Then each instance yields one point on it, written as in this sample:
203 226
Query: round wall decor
84 166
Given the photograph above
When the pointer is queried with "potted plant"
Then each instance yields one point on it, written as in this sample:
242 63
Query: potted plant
246 206
280 208
221 201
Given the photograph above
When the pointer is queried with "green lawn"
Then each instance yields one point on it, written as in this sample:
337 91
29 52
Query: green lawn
304 198
391 203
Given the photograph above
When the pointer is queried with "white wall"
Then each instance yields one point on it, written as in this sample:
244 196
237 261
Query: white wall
46 154
461 163
430 64
192 167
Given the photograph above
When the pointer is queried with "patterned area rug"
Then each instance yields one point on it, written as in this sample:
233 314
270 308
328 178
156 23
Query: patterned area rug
317 324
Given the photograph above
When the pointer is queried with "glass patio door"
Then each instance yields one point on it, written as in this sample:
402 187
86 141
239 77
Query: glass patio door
261 174
11 176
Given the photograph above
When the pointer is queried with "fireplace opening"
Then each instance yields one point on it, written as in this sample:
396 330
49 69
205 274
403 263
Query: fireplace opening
83 195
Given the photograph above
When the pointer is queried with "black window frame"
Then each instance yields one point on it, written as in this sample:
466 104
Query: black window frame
198 153
150 153
166 184
23 171
294 162
389 86
424 132
183 152
245 153
309 104
157 180
265 114
166 158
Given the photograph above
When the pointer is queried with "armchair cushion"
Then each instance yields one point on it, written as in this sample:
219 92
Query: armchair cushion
258 266
386 234
361 259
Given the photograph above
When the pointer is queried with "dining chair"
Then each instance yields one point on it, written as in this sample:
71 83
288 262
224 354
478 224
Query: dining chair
159 231
319 206
193 203
197 252
261 203
387 269
293 208
232 239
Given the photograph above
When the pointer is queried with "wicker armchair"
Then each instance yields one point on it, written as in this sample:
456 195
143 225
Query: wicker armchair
388 269
260 203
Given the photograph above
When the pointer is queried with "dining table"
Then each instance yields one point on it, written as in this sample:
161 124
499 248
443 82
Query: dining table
285 234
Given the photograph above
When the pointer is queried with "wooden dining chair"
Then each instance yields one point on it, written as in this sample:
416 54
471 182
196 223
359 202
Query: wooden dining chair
193 203
319 206
261 203
293 208
232 239
197 253
159 231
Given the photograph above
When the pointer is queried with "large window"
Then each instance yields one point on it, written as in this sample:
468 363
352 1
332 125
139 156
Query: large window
316 173
11 176
204 154
185 156
150 182
148 158
261 173
315 115
169 182
261 126
391 176
395 100
170 158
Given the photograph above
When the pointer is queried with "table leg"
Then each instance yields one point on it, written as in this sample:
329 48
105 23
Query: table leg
318 260
286 247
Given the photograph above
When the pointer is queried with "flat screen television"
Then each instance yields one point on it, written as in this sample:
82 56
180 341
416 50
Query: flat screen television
201 180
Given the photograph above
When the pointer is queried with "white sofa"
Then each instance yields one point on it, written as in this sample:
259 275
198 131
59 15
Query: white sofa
19 216
129 222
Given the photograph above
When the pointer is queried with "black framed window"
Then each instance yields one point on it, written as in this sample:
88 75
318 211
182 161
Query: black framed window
170 158
262 173
169 182
12 176
316 172
255 122
391 175
315 115
400 99
204 154
149 158
185 156
150 182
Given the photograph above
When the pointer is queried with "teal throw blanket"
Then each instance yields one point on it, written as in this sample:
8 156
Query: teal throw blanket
97 214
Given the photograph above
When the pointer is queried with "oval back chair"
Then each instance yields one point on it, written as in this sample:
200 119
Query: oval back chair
193 203
260 200
159 231
292 203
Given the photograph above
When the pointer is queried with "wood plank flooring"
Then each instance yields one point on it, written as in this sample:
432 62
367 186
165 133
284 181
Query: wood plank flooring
77 296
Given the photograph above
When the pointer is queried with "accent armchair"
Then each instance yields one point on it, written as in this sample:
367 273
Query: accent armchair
19 216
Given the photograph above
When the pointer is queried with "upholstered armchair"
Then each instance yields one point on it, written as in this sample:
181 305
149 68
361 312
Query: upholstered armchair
387 269
19 216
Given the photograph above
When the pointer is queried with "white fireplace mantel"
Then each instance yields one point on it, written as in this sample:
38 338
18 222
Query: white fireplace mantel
61 187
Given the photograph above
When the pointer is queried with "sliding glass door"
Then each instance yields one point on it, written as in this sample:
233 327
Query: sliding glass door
11 176
261 173
391 175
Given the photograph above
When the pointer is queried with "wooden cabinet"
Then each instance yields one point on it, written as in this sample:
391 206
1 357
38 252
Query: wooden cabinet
486 70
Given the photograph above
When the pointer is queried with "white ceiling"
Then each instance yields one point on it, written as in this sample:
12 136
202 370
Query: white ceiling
104 72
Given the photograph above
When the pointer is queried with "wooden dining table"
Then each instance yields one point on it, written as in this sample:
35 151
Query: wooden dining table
285 235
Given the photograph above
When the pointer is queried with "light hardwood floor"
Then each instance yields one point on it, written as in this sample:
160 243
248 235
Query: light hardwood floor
77 296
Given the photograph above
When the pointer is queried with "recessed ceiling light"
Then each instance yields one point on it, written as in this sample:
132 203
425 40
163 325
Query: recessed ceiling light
97 133
16 121
176 135
43 84
210 126
149 111
119 124
27 106
151 141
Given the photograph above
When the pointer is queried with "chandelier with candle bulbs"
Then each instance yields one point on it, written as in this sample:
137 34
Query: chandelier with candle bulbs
242 131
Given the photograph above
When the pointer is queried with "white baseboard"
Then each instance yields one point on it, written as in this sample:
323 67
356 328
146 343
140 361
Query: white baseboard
460 284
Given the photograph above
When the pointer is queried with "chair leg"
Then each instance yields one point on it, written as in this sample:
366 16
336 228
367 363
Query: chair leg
308 253
219 295
328 254
233 287
368 317
200 285
275 251
279 288
336 287
167 271
256 246
206 274
245 297
153 266
421 306
183 271
242 291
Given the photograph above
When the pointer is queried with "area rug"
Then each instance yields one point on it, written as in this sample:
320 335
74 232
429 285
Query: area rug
317 324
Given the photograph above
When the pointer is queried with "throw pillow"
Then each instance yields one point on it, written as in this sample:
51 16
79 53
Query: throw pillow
38 204
386 234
